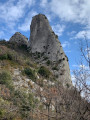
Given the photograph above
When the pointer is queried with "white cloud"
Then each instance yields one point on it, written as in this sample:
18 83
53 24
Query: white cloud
65 44
58 29
76 11
71 33
82 34
63 9
26 25
43 3
11 12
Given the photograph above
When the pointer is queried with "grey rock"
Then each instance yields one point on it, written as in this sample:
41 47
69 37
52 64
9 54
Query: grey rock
44 40
19 38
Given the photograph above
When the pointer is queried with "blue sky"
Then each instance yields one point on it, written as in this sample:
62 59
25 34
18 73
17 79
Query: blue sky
70 20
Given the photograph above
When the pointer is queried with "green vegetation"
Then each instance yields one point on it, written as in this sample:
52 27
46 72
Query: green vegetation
43 71
5 78
5 106
23 47
30 73
56 36
42 54
38 55
32 100
31 64
25 102
45 58
67 85
3 57
2 112
20 104
8 56
48 62
2 40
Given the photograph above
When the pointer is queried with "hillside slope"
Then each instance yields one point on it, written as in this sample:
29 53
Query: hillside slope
30 91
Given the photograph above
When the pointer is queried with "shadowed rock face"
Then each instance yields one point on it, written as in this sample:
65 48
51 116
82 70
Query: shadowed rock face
19 38
44 40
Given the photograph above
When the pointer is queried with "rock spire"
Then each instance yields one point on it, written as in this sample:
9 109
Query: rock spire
44 40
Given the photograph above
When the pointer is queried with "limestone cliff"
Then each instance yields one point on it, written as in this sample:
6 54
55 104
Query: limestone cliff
44 40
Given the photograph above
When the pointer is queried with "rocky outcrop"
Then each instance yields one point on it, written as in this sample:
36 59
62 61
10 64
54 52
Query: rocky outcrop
45 47
43 40
19 38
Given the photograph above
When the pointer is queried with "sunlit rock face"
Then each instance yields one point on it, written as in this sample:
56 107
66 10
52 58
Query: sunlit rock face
19 38
44 40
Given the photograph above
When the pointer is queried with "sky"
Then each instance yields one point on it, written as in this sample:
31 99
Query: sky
70 20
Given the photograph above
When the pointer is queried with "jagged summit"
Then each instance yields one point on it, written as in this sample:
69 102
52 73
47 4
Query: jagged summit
19 38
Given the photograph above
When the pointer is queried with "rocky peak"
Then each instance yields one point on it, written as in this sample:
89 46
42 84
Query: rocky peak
44 40
19 38
45 48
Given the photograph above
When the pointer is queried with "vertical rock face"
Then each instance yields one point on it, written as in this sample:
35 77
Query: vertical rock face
44 40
